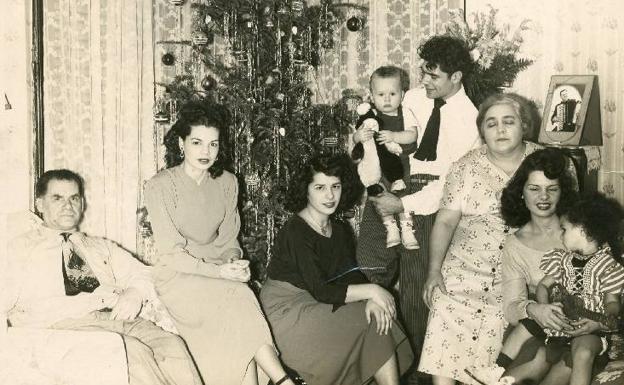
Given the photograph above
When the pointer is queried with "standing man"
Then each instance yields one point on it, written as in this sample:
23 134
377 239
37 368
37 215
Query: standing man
68 280
445 120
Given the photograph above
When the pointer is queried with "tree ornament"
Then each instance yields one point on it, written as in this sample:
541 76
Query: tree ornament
297 6
161 117
267 13
168 59
282 9
354 24
209 83
176 2
200 38
208 19
282 131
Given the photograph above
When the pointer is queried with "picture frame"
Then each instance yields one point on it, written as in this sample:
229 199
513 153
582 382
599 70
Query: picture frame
572 112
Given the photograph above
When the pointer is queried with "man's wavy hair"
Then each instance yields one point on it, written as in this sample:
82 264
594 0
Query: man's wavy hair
339 165
198 113
555 165
521 105
448 53
601 219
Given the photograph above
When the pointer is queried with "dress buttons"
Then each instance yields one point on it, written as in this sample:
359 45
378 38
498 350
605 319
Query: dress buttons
474 338
479 311
105 262
500 247
486 289
493 270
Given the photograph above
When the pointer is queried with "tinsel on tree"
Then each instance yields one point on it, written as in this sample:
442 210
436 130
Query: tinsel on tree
261 73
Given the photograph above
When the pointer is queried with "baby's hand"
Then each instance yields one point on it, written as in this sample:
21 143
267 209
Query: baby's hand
385 136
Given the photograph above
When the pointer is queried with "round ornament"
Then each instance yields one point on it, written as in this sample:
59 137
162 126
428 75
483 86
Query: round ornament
354 24
208 19
168 59
208 83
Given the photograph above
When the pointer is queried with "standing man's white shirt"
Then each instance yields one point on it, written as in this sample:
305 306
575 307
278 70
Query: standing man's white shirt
458 135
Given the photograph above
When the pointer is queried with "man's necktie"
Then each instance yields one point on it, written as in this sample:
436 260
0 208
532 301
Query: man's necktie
77 275
429 142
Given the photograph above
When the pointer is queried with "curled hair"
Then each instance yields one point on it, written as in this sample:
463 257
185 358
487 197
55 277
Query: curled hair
198 113
601 218
448 53
555 166
521 105
385 72
41 188
340 166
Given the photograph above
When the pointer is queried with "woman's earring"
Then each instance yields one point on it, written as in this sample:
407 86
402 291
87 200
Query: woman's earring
181 152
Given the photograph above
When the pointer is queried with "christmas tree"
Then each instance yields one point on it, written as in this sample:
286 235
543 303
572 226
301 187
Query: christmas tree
257 57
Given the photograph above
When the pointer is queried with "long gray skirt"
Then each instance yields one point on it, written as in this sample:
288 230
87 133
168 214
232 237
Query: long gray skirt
325 347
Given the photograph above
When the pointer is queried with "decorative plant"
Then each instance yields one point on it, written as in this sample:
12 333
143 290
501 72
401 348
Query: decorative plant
494 51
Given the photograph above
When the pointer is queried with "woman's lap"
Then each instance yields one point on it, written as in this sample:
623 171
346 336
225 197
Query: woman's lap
220 320
326 346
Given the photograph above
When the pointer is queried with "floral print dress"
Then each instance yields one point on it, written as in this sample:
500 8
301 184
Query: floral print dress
466 326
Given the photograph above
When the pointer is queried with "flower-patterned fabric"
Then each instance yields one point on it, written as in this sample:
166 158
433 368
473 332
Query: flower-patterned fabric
466 326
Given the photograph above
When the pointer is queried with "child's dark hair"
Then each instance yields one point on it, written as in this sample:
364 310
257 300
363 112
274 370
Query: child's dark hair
601 218
385 72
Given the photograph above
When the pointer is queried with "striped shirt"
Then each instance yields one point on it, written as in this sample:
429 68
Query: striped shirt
601 275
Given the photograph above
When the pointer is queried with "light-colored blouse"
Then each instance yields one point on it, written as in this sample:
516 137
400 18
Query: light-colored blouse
193 223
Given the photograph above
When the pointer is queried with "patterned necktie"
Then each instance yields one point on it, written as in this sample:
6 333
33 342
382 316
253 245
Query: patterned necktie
429 142
77 275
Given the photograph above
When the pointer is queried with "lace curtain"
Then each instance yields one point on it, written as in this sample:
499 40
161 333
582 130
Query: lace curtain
98 96
578 37
103 57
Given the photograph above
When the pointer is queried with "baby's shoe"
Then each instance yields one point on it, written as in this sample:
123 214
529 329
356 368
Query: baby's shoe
393 235
408 239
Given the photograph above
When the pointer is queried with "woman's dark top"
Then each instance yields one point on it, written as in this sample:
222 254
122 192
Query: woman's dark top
315 263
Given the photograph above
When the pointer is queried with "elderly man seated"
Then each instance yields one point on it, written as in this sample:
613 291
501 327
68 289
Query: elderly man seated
64 279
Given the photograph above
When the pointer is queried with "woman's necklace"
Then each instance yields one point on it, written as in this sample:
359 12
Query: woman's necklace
324 229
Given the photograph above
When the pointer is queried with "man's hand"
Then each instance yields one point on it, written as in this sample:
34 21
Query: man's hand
387 204
383 319
235 271
128 305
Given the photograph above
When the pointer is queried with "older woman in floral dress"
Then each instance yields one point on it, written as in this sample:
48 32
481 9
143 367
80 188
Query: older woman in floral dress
463 287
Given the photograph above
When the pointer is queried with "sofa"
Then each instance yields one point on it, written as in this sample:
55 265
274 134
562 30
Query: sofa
32 356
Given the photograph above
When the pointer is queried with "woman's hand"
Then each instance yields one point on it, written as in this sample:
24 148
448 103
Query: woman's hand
383 319
363 134
433 280
235 271
549 316
385 136
383 299
585 326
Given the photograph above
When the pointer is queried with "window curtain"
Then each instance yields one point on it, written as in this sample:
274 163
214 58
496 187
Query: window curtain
98 102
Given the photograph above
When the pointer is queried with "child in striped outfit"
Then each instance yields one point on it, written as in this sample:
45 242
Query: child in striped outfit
590 269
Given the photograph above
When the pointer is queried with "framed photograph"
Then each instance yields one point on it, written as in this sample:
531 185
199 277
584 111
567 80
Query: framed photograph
572 112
